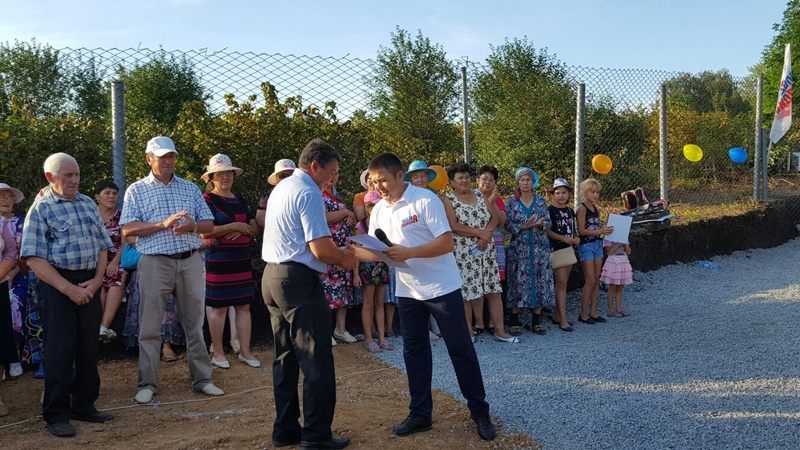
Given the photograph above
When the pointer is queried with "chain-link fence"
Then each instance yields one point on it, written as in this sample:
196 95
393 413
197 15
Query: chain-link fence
259 108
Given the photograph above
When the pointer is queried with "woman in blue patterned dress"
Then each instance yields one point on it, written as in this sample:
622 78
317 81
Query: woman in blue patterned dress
529 271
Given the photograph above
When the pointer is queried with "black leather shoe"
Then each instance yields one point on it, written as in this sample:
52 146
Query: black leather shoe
485 428
414 423
285 443
94 417
61 429
330 443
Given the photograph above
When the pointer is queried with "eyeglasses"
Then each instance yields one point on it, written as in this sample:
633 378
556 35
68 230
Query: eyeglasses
487 180
7 197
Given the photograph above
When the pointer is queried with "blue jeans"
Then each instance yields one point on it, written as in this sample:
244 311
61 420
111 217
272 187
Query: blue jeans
448 310
591 250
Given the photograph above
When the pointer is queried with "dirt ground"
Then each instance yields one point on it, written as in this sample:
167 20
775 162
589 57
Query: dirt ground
371 399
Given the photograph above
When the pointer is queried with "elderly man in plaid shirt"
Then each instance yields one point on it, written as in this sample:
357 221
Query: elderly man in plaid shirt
65 243
166 213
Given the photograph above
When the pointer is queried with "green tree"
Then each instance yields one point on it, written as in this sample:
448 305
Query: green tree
524 108
788 32
706 92
39 82
771 67
414 92
34 80
158 89
91 93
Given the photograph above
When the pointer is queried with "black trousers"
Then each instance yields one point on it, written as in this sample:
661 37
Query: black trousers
71 348
448 310
301 323
8 349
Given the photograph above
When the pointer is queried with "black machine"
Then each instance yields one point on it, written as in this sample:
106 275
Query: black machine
651 216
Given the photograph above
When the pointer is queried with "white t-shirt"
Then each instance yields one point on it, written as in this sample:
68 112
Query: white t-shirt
417 218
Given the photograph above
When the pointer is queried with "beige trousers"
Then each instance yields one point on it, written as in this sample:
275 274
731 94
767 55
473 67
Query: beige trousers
159 276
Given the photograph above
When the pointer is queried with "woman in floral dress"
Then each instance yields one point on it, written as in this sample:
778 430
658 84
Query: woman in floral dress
529 270
338 283
18 280
473 226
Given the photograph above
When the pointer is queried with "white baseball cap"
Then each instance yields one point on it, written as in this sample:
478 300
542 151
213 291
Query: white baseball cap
160 146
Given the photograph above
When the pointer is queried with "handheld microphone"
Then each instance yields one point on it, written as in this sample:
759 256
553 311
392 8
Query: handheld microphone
382 237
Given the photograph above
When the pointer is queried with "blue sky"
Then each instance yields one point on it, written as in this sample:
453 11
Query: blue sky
677 35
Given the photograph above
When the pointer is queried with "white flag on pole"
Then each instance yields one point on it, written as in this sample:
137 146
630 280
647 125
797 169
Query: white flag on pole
783 110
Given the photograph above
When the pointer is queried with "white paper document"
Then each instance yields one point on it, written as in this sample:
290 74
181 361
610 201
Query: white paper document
376 247
622 228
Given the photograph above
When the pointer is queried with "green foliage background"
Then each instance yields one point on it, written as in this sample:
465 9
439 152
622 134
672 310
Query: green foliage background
522 106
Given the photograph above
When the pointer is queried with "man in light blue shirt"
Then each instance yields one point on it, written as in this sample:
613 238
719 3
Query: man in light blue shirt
65 243
166 213
297 248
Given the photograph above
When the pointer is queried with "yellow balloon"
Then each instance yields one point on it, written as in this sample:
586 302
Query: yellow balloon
601 164
441 178
692 152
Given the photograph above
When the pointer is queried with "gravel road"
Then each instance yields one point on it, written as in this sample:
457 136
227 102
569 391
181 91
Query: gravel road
708 359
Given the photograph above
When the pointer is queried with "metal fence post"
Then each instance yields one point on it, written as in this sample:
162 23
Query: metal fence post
580 119
465 105
757 151
118 135
766 146
662 139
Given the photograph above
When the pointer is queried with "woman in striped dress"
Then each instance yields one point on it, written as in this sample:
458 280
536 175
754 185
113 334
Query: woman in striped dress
229 274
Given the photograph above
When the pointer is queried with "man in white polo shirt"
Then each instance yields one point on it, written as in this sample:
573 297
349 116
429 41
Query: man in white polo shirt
414 221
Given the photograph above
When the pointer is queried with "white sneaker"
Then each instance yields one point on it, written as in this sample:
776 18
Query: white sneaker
144 396
212 390
14 370
236 347
344 337
107 335
333 342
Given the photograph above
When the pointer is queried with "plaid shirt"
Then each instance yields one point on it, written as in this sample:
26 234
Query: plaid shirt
149 200
68 234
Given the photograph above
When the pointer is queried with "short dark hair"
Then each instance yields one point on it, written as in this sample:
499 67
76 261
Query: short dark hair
489 169
319 151
457 167
388 161
103 185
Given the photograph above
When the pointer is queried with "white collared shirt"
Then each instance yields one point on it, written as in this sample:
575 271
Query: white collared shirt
149 200
417 218
295 215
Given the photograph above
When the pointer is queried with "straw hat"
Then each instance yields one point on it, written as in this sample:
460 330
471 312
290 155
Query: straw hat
17 193
220 163
281 166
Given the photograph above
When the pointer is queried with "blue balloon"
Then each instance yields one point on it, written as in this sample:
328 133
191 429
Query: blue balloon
738 155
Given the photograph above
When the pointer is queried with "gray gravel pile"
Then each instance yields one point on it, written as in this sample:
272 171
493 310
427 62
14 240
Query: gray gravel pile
707 359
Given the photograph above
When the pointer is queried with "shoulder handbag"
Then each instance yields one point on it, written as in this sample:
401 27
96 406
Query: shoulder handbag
565 256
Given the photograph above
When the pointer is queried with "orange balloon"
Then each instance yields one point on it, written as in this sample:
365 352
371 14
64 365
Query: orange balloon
441 179
601 164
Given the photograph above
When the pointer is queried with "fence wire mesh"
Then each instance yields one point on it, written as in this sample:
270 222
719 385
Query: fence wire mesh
259 108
